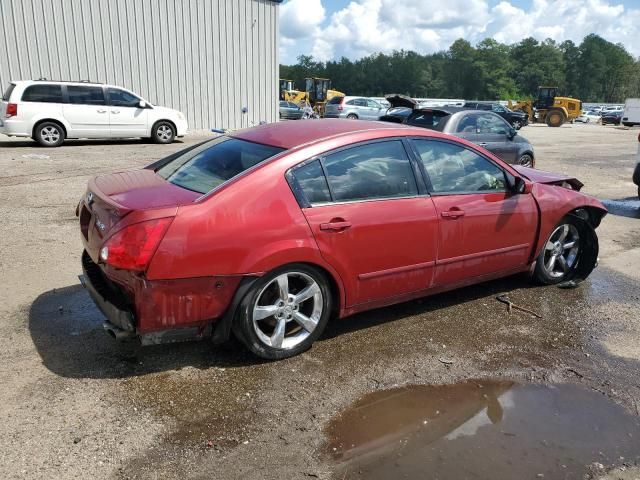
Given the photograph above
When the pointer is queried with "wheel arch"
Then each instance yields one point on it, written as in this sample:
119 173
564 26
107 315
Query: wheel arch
53 120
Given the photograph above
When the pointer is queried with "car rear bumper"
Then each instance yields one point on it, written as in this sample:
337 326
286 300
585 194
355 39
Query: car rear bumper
14 128
137 306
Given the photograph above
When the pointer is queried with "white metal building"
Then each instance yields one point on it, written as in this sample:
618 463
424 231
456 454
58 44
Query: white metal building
211 59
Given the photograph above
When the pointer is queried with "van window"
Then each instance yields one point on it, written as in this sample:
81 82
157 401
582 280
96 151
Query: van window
80 95
7 93
43 93
213 163
120 98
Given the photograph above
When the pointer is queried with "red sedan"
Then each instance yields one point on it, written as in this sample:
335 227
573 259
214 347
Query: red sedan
271 231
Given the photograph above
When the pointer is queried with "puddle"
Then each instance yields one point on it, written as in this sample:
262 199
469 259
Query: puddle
625 207
481 430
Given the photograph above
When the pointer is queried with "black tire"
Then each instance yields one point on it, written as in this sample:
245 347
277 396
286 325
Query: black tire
639 192
555 118
585 238
527 160
247 333
627 124
352 116
163 132
49 134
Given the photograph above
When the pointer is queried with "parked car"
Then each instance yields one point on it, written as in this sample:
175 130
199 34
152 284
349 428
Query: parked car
516 119
631 115
485 129
290 111
588 117
612 118
354 108
52 111
267 232
636 170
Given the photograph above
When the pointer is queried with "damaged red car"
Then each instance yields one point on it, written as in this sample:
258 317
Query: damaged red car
270 232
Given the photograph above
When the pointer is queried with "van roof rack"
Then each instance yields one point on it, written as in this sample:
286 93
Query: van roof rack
45 79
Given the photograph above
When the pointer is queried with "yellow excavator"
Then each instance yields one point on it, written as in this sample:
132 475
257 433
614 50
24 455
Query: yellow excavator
549 108
315 96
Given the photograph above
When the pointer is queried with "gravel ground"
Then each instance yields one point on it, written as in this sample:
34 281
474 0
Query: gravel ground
76 405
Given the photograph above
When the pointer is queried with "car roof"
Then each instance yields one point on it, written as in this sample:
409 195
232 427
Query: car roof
64 82
289 135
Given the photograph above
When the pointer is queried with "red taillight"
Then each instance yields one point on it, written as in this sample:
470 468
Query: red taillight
12 110
132 247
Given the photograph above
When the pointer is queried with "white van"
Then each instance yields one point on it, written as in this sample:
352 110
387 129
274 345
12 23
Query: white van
52 111
631 115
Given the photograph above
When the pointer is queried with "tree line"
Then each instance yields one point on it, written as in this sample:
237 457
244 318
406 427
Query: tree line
596 70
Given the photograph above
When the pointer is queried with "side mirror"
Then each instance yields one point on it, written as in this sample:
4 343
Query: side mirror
521 186
142 104
512 133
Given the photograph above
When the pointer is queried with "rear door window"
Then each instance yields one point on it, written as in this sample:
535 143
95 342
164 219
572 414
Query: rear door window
43 93
313 183
80 95
372 171
213 163
7 93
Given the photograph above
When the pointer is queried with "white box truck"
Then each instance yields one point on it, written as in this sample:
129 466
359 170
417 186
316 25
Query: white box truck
631 114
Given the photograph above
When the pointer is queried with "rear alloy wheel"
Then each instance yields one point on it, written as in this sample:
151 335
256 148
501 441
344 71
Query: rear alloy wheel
49 134
560 256
517 124
526 160
284 312
352 116
163 133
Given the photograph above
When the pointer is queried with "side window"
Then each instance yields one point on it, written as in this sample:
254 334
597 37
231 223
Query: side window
292 105
493 124
313 183
284 104
498 108
352 102
373 104
484 106
79 95
120 98
468 124
377 170
456 169
43 93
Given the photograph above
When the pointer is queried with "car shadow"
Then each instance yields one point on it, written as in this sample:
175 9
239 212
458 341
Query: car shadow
66 329
372 318
79 143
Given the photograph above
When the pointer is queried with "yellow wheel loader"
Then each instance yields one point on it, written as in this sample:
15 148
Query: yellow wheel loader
549 108
315 96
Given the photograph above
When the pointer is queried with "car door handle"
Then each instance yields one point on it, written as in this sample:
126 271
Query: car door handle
101 111
483 144
453 214
335 226
115 111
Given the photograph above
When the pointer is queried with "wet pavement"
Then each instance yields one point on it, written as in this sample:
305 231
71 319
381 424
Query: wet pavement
481 429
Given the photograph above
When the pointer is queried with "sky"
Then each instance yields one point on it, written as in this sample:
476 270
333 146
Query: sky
331 29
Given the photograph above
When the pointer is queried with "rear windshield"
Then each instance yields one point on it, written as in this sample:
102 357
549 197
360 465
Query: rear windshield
335 101
7 93
428 119
213 163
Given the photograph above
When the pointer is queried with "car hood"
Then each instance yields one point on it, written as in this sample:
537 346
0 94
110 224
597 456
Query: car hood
548 178
397 100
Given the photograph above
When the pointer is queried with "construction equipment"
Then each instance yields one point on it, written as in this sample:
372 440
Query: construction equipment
549 108
316 94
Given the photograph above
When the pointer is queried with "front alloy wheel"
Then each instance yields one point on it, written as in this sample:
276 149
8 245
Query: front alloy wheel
526 160
284 313
562 252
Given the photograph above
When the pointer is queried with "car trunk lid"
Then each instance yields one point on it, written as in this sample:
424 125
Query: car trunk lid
397 100
111 198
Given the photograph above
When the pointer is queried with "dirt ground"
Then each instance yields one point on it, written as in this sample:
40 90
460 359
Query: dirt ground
73 404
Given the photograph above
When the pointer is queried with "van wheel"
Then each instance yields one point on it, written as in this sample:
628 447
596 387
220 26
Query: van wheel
284 312
49 134
163 132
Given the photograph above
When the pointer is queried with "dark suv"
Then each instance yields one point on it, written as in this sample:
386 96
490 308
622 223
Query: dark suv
516 119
